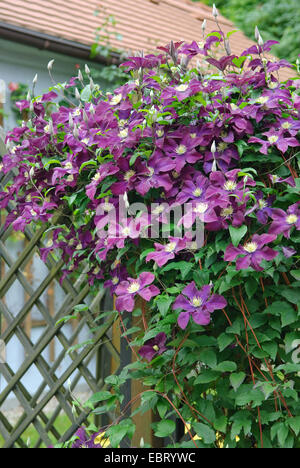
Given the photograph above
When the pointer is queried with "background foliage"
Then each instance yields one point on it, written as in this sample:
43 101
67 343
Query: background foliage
275 20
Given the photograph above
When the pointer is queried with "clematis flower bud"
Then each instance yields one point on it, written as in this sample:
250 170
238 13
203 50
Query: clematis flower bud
87 70
215 12
34 81
50 65
227 46
75 131
203 26
71 121
80 77
213 147
77 94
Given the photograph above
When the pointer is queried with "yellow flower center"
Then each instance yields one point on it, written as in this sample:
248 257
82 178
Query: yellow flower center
134 287
116 99
262 99
196 301
151 171
69 165
156 348
115 280
123 133
291 219
97 176
170 247
159 209
230 185
129 174
181 88
262 204
126 231
193 135
227 211
160 133
197 192
250 247
222 147
107 206
286 125
181 149
272 139
201 208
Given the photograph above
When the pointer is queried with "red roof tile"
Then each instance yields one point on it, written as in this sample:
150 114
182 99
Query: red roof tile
142 24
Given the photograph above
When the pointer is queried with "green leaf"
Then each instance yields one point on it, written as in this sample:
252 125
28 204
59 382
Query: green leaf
66 319
116 434
284 310
294 423
183 267
163 303
164 428
251 286
80 307
271 348
206 376
224 341
291 294
208 356
205 432
220 424
162 407
295 274
100 396
226 366
86 93
237 234
91 162
241 420
237 379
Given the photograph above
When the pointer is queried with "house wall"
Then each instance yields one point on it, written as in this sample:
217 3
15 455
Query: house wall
20 63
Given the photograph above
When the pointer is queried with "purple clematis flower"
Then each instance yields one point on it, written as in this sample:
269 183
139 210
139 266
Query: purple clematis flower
153 347
85 441
264 210
128 289
283 221
275 138
275 179
288 251
198 304
165 252
253 252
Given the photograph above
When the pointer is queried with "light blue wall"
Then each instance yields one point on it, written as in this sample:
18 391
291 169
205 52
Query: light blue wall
20 63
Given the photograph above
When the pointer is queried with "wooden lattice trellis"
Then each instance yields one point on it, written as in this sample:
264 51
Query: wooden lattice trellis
53 386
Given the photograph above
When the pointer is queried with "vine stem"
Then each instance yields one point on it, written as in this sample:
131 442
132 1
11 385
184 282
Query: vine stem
163 395
193 410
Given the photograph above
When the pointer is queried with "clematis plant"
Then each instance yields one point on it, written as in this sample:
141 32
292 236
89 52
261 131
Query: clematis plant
197 141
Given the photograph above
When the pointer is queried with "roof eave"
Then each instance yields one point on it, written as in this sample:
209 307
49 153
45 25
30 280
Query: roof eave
52 43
